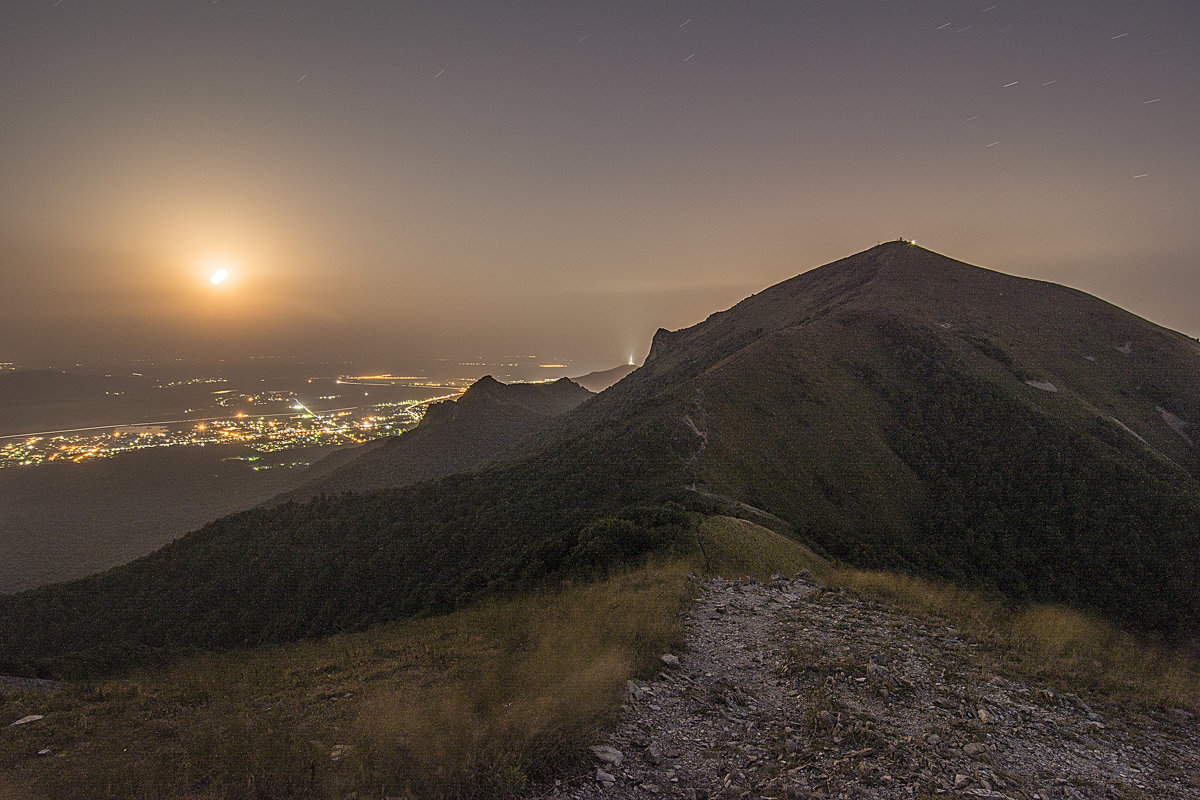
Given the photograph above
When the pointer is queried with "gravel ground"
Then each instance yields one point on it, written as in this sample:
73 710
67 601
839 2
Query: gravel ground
787 690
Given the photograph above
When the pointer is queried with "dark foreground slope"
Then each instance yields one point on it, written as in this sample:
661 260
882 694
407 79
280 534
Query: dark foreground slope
454 436
896 407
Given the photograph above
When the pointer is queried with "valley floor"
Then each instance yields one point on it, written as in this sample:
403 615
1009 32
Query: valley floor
786 690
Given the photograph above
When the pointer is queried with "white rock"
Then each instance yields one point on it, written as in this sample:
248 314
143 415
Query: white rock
670 660
30 718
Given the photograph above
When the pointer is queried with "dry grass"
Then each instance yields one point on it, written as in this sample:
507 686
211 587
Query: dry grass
470 704
1067 647
1072 649
559 673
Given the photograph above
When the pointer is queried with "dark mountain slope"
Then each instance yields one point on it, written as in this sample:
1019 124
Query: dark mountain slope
896 408
902 408
454 436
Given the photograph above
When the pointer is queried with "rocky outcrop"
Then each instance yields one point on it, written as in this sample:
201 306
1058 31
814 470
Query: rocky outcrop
661 342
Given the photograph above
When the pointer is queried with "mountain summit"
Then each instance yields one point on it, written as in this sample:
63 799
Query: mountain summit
901 407
895 408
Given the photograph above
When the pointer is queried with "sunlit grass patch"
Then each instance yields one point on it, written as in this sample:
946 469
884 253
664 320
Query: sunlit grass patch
736 548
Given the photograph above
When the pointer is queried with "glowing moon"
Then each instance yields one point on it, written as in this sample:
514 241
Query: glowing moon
219 270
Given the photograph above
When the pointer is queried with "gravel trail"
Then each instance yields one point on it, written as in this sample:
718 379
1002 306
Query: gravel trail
786 690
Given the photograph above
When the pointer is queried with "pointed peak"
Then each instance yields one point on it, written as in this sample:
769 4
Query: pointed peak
569 384
484 387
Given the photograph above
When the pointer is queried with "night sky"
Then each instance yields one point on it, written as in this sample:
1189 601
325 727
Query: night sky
388 181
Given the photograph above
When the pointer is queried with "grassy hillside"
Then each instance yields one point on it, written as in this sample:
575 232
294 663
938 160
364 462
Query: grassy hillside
481 701
474 703
906 452
1068 649
736 548
902 409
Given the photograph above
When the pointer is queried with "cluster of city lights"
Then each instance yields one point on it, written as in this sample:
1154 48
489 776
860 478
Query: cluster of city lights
262 433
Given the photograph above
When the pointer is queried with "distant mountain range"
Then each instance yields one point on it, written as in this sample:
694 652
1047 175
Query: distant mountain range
894 408
602 379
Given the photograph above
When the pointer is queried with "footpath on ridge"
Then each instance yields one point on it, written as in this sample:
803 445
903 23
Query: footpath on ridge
786 690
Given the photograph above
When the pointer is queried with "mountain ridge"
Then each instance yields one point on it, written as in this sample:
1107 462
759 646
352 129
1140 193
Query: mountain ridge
892 407
600 380
803 401
874 279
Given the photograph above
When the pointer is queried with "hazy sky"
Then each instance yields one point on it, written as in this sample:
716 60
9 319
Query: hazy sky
396 179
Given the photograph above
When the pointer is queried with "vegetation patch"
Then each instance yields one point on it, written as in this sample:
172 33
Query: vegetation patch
468 704
1069 648
1032 506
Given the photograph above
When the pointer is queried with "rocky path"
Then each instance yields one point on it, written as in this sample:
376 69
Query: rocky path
789 691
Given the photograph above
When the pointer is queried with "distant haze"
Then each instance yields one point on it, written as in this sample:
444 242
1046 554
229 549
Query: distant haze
394 181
